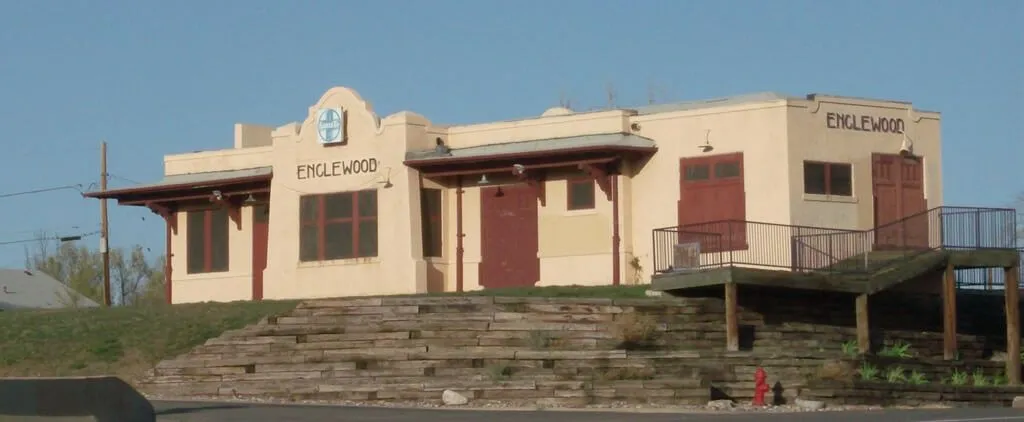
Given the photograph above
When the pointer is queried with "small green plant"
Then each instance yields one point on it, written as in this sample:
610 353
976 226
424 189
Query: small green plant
1000 379
850 349
867 372
917 378
979 378
895 375
540 340
958 377
499 371
635 330
899 349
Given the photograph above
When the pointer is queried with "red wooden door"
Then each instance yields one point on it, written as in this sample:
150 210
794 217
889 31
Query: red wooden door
509 240
711 189
899 203
260 234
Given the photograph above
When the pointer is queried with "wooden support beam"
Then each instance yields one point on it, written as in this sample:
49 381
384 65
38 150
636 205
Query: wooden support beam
233 206
601 176
169 214
534 180
949 346
1013 324
863 330
732 325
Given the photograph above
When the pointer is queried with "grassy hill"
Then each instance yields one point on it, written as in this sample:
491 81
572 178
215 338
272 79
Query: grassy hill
118 341
128 341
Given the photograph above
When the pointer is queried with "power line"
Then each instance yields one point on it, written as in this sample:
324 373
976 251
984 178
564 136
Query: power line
76 187
68 238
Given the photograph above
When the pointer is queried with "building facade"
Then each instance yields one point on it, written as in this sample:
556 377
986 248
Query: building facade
346 203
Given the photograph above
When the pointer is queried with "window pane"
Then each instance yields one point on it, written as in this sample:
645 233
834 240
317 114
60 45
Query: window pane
727 170
195 240
581 194
814 178
219 257
367 238
696 172
338 240
309 241
338 205
840 180
308 208
436 238
368 203
431 221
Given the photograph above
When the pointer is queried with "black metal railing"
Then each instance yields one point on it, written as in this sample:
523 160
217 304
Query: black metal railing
802 248
732 242
987 278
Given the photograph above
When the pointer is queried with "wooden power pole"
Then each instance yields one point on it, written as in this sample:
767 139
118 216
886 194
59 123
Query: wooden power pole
104 227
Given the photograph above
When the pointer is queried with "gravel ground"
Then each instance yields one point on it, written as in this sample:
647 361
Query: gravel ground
527 405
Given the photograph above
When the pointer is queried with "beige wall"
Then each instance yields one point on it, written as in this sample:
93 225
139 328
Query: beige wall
775 135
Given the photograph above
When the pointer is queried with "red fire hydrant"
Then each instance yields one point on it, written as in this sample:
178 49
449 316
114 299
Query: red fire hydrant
760 386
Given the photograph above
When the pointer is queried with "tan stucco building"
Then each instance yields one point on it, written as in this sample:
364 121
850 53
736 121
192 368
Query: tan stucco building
348 203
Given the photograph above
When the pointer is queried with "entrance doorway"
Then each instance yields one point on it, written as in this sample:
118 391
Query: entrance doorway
898 190
509 241
711 188
260 234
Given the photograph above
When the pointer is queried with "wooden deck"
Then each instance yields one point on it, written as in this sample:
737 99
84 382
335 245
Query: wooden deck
885 277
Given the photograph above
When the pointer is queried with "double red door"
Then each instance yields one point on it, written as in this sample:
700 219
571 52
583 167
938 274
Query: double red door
901 220
712 199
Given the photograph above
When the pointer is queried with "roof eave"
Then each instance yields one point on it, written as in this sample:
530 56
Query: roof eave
115 193
427 162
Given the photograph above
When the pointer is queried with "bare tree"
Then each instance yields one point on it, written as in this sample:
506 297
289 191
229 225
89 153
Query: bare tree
134 279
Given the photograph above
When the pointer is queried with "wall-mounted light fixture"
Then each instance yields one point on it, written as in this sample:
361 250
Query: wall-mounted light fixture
707 143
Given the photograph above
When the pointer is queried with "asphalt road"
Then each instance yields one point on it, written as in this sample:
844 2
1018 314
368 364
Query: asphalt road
239 412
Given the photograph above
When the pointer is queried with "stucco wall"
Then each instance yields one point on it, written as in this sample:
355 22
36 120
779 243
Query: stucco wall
774 134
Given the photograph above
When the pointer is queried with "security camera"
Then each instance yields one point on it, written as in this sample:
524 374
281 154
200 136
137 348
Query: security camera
218 195
518 169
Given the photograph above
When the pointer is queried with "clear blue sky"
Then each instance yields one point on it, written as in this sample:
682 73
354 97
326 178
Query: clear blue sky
163 77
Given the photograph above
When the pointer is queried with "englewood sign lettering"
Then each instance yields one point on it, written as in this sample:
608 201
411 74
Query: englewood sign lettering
336 168
864 123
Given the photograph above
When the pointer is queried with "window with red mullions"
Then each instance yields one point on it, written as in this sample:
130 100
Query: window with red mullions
580 194
338 226
207 241
430 207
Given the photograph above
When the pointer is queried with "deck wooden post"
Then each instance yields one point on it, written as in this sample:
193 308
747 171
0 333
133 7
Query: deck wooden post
863 332
732 327
949 347
1013 324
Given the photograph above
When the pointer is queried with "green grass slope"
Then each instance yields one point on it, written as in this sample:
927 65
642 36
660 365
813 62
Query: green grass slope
116 341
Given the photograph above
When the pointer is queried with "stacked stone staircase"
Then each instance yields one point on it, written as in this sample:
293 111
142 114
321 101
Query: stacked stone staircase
558 352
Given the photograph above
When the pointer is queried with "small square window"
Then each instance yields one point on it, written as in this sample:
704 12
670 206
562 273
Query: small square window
580 194
828 178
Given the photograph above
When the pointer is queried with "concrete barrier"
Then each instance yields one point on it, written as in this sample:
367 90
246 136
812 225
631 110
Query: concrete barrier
105 399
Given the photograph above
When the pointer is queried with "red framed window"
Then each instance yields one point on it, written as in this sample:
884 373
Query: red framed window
207 240
430 210
338 226
580 194
821 178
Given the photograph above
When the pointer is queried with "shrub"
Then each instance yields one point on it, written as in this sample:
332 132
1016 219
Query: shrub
895 375
635 330
850 349
917 378
899 349
867 371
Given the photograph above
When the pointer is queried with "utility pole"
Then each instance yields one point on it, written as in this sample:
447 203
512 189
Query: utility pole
104 227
